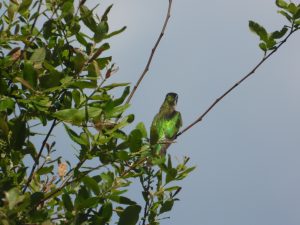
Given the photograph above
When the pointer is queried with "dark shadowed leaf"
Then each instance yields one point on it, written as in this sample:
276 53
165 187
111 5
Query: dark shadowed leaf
279 34
105 212
122 200
24 6
45 170
29 74
259 30
130 215
75 137
67 201
166 206
91 184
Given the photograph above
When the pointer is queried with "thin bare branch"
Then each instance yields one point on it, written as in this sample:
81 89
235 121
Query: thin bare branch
37 159
236 84
152 53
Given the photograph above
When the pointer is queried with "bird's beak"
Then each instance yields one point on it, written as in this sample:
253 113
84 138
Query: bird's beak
176 99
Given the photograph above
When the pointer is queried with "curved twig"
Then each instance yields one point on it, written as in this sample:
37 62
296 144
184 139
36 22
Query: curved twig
236 84
152 53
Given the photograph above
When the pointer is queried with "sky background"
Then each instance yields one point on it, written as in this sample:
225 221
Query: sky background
247 149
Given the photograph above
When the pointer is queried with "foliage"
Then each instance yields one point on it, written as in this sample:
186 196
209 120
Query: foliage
271 41
53 74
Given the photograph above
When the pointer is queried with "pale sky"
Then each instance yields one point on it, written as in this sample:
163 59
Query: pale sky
247 149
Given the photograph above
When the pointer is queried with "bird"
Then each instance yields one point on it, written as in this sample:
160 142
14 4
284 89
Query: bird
165 125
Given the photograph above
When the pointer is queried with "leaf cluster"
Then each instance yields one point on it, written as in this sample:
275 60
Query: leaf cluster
55 73
270 41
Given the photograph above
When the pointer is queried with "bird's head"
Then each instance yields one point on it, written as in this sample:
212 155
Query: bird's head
171 98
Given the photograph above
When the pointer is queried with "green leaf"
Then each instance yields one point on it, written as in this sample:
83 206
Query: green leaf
101 31
130 215
123 155
263 46
173 188
24 6
79 61
91 184
29 74
11 11
105 212
67 8
285 14
38 55
87 18
19 132
166 206
281 4
36 197
75 137
104 16
103 62
114 85
51 80
185 173
6 103
67 202
292 8
86 203
77 116
115 32
13 197
259 30
122 200
135 140
279 34
45 170
80 39
270 43
297 14
171 175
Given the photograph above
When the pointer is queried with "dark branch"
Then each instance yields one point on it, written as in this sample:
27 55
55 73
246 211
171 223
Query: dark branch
236 84
37 159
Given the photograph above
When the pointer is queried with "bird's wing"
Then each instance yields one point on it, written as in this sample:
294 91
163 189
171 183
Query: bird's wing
154 131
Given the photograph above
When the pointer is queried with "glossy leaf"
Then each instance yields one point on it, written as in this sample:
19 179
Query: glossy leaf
281 4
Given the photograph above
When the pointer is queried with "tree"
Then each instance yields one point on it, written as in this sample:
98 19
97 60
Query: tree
55 75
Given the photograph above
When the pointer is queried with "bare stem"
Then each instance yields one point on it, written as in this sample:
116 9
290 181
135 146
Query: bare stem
152 53
236 84
37 159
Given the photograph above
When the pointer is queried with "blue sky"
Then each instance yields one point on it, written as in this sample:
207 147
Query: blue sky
247 149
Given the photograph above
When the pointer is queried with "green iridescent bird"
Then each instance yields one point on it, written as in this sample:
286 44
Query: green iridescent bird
165 125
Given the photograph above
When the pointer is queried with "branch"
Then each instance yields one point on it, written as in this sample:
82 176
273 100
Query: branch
236 84
152 53
146 188
37 16
36 161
